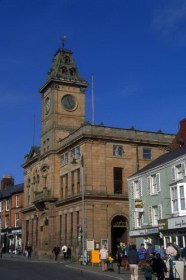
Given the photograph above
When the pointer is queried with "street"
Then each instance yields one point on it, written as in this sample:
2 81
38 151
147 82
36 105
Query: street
17 270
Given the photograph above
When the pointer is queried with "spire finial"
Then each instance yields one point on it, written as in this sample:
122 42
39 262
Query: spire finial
63 41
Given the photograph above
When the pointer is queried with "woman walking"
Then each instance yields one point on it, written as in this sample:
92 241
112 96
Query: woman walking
103 257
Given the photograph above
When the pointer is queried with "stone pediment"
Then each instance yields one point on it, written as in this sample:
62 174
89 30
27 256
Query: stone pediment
34 152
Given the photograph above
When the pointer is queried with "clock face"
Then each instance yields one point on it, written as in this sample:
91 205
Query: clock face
69 102
47 105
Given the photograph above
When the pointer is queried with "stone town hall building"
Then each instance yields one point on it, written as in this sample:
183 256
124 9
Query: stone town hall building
74 156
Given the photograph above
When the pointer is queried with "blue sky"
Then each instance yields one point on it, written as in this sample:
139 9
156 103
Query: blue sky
135 49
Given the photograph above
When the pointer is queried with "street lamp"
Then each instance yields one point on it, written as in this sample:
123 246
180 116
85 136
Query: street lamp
83 210
0 232
83 206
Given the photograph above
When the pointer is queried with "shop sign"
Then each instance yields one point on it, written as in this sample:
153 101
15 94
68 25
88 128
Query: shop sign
178 222
152 230
137 232
163 224
16 231
139 205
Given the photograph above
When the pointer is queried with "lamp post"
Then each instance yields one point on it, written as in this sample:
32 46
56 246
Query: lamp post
83 210
0 234
74 161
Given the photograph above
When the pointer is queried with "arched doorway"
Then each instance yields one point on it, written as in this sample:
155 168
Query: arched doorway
119 232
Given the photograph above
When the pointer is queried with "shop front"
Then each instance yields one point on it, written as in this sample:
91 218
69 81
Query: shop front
173 230
146 236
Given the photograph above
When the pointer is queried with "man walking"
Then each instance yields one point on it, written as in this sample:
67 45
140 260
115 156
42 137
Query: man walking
133 260
56 251
64 250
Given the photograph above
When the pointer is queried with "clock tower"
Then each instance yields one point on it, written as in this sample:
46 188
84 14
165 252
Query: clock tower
63 100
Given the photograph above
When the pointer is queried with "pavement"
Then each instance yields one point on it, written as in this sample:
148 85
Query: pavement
94 269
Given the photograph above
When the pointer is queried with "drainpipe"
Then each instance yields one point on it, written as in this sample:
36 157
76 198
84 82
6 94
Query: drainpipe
137 158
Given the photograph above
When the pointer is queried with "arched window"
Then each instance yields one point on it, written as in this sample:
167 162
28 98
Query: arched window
37 178
64 70
72 71
28 181
67 59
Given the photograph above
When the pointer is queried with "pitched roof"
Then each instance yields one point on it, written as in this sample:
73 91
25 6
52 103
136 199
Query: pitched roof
11 190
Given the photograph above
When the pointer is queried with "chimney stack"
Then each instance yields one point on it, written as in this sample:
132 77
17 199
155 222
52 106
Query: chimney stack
6 182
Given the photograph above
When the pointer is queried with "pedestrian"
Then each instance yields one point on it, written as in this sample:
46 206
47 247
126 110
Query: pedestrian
11 250
56 251
127 248
142 255
133 260
171 251
149 252
148 271
29 250
64 250
159 267
162 252
178 249
120 253
103 257
110 261
183 254
68 252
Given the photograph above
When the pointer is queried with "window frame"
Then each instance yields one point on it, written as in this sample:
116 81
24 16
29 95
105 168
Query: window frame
137 188
118 150
154 184
148 152
17 201
7 207
16 217
178 171
155 214
177 198
118 183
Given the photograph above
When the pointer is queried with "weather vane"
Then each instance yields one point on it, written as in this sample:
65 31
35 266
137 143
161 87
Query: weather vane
63 41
